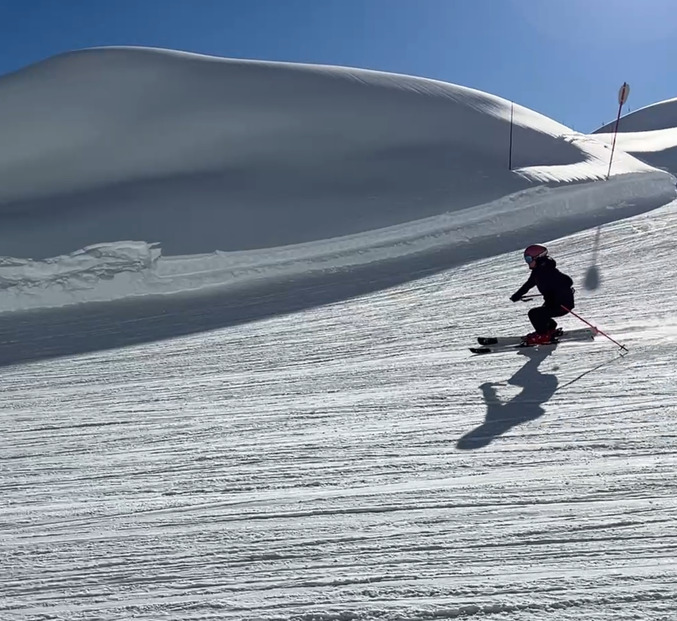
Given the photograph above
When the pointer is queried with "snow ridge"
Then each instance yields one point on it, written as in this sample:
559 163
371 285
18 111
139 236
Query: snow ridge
202 154
106 272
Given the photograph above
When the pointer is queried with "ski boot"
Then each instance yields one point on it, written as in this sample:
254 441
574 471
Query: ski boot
534 338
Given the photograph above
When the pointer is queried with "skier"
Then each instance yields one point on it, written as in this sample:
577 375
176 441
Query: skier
556 288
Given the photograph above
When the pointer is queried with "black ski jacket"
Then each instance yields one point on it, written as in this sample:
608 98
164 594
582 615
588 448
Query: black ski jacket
555 286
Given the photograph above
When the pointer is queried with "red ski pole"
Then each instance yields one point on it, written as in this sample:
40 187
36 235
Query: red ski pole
595 328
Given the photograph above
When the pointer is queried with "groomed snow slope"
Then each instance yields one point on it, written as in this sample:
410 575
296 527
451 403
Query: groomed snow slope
269 171
351 461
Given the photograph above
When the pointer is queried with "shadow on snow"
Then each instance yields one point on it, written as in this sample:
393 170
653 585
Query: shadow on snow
44 334
527 406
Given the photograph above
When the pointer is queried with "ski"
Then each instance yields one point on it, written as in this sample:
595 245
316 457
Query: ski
576 335
497 349
511 343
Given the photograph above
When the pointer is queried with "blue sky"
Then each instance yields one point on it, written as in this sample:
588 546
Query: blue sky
564 58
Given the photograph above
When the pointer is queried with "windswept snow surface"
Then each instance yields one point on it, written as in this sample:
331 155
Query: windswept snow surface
660 115
283 422
650 134
122 160
200 154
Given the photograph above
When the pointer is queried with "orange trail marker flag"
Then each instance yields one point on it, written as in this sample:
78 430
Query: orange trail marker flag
622 98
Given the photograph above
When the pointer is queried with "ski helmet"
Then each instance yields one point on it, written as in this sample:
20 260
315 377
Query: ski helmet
534 252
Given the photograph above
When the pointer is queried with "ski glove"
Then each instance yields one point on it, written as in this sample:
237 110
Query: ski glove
515 298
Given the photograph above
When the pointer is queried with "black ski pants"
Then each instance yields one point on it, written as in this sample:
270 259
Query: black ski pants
541 317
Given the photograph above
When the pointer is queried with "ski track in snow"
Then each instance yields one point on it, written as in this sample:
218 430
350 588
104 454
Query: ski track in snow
334 464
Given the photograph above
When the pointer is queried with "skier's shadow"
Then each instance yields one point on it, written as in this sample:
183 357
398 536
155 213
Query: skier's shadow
538 388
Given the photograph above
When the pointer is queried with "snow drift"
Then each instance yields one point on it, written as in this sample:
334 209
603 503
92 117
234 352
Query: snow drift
661 115
107 272
649 134
258 170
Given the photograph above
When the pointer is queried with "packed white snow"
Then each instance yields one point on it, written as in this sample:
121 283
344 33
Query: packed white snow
178 172
649 133
657 116
267 410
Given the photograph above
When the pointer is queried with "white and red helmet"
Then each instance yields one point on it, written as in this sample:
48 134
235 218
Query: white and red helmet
534 252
